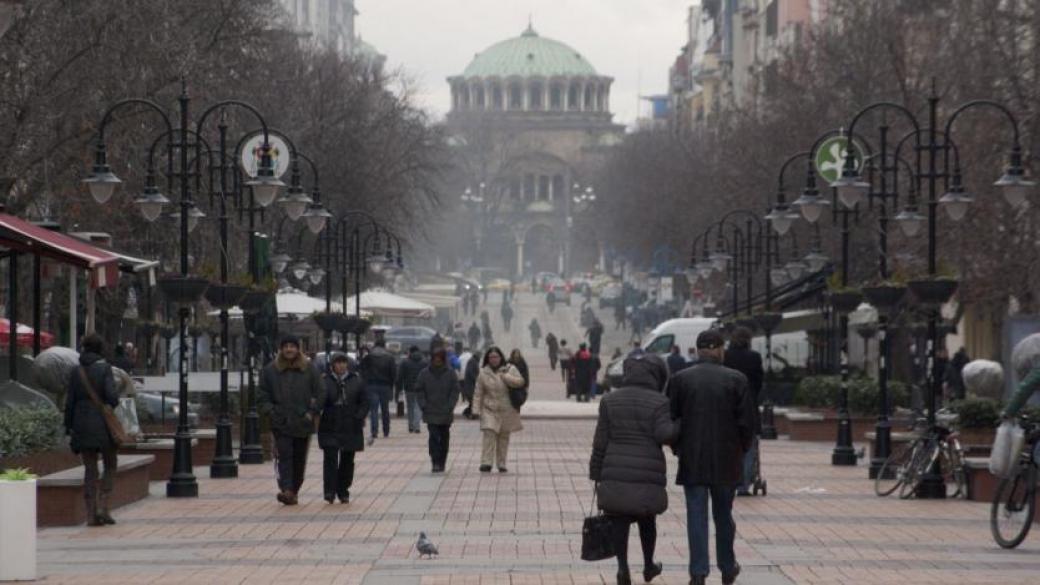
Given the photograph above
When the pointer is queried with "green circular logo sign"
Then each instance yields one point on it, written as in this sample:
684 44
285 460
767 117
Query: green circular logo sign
830 157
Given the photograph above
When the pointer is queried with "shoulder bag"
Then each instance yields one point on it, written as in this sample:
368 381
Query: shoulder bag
115 428
597 543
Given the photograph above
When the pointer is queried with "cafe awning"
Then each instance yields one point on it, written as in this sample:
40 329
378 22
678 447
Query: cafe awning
22 236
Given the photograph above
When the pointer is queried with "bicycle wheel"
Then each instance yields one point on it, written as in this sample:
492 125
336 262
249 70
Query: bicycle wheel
924 454
893 470
952 464
1014 505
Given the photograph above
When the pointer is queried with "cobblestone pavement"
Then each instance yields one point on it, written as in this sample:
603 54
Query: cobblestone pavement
819 524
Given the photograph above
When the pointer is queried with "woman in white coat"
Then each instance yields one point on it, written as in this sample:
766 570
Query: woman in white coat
498 417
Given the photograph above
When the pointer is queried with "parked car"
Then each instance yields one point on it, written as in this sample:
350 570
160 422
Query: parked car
401 338
561 288
609 296
152 408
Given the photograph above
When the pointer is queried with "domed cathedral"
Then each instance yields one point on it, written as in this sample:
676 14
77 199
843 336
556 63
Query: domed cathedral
530 121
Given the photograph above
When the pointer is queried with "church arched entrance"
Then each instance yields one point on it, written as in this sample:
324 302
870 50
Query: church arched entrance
541 250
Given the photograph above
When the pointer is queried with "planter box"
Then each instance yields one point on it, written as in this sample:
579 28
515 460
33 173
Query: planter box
977 437
823 426
982 485
59 497
780 420
225 296
898 440
18 530
161 450
44 462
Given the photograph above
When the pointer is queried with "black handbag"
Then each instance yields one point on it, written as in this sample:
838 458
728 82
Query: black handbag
597 542
517 397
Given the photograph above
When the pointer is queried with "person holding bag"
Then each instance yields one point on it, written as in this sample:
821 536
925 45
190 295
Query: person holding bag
92 389
627 462
498 418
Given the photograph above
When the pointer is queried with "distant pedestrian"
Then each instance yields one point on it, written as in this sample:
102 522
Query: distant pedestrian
566 357
407 373
691 355
469 382
747 361
91 386
676 361
582 378
498 418
595 335
627 462
122 360
534 285
438 391
550 301
953 379
517 359
341 431
474 336
554 350
637 348
716 419
379 369
536 331
507 316
619 314
290 394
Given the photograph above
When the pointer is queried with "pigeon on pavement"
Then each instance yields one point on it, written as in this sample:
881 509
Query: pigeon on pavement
425 547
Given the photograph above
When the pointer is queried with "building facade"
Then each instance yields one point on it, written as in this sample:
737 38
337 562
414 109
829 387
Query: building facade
530 118
330 24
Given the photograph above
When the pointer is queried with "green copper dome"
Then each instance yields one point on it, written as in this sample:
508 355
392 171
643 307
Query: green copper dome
529 55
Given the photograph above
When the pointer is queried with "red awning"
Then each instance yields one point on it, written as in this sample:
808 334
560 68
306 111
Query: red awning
22 236
24 335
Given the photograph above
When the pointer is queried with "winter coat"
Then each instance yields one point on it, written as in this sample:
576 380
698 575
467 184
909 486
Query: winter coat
748 362
716 416
677 363
409 370
345 407
491 399
583 376
437 390
525 372
83 419
469 379
552 344
627 461
379 368
291 394
535 329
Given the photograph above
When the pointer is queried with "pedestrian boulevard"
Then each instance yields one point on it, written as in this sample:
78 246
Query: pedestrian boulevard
819 524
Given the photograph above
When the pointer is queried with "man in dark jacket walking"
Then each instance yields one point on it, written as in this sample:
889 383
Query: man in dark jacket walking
676 361
90 386
291 395
469 381
341 432
437 389
595 335
582 365
406 376
627 462
379 369
474 336
554 350
747 361
715 410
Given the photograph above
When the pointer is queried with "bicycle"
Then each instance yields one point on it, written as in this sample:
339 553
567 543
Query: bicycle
1014 503
904 468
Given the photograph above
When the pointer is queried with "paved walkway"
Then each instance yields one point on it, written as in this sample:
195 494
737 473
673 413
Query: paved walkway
819 524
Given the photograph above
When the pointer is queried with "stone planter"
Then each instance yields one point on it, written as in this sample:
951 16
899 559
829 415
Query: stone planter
823 426
977 437
884 296
355 325
253 301
18 530
225 296
846 301
933 292
183 290
330 321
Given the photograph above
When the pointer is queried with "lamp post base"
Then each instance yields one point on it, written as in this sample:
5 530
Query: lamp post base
932 485
224 464
882 449
768 422
251 453
843 453
182 482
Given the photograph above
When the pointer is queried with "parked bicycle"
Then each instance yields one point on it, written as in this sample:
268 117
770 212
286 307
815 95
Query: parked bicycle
905 467
1014 504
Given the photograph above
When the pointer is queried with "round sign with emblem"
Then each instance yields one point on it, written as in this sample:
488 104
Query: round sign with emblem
830 157
251 153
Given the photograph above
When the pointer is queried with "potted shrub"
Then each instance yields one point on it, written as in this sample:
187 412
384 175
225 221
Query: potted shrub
225 296
18 527
884 295
182 290
933 291
845 300
330 321
977 419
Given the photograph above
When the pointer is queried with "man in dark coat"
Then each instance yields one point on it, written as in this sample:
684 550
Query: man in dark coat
595 335
89 433
676 361
437 389
341 432
290 394
554 350
407 373
379 369
716 417
747 361
469 381
582 373
953 378
474 336
627 462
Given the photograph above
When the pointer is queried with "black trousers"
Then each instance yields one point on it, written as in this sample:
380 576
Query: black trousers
338 472
440 437
290 461
90 476
647 537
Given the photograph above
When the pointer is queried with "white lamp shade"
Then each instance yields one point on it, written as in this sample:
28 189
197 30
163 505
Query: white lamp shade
295 204
1016 188
279 262
151 203
375 264
102 184
956 203
796 269
910 222
316 217
811 206
816 261
851 190
705 269
316 274
778 276
300 270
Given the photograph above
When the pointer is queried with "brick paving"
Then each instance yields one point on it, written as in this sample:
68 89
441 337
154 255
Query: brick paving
819 524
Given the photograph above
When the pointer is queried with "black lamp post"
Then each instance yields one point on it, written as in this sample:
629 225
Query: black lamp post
929 143
185 290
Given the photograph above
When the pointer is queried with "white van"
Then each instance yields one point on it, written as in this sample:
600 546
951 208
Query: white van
681 332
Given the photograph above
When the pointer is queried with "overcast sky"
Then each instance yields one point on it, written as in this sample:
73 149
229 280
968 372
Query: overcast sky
633 41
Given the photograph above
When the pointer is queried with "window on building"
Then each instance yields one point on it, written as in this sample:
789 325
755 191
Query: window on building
535 101
588 98
479 101
556 97
543 187
516 97
496 97
573 98
772 18
529 187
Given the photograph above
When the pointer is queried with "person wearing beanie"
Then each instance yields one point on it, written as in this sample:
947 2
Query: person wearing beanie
437 390
341 432
716 417
291 396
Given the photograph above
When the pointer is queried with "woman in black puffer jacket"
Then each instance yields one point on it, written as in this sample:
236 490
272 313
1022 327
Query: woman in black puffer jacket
627 461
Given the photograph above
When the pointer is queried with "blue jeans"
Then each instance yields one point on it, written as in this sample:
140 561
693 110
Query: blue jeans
379 400
414 411
697 527
749 466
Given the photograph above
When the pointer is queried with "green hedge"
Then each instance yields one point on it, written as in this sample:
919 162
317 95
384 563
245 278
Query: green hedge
29 429
977 413
825 392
